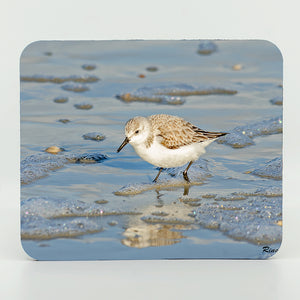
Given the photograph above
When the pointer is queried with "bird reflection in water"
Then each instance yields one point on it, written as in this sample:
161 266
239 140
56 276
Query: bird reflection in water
153 235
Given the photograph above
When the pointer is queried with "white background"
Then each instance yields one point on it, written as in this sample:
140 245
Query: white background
22 22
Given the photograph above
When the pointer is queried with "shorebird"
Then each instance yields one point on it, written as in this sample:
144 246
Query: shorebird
167 141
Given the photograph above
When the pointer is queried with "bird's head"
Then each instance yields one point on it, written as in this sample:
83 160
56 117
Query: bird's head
137 131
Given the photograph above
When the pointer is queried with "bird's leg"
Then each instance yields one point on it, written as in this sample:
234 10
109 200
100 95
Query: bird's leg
155 179
185 172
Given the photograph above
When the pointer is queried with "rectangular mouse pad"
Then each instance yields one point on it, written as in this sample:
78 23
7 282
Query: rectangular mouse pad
151 149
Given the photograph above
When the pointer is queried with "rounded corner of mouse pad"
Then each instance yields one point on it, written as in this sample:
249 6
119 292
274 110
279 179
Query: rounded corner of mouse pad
161 149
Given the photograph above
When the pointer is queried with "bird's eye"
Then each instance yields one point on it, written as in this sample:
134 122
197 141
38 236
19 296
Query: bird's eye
137 132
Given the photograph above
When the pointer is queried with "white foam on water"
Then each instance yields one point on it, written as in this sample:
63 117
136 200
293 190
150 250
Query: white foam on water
47 218
37 227
256 219
241 136
272 191
75 87
39 165
272 169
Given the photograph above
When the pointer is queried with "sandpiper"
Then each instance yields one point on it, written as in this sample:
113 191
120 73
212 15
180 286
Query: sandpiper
167 141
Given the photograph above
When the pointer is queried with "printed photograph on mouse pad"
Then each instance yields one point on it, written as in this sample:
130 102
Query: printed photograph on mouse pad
145 149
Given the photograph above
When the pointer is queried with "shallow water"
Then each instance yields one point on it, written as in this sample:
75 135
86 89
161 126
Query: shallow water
77 209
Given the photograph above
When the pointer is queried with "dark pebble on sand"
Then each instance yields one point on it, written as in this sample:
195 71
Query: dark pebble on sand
152 69
83 106
88 67
61 100
101 201
207 47
277 101
88 158
64 121
94 136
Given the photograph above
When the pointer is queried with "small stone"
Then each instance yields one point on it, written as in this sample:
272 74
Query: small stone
279 223
194 204
101 201
53 149
141 76
207 47
61 100
88 158
64 121
277 101
237 67
83 106
48 53
88 67
152 69
94 136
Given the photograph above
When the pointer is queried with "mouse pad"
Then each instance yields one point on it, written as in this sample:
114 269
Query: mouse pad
151 149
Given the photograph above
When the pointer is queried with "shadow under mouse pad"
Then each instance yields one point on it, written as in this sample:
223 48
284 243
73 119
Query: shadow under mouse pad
210 128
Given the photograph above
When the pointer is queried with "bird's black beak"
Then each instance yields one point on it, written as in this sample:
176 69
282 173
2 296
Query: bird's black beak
125 142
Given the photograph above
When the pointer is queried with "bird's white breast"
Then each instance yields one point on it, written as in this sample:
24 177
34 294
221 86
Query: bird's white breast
160 156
